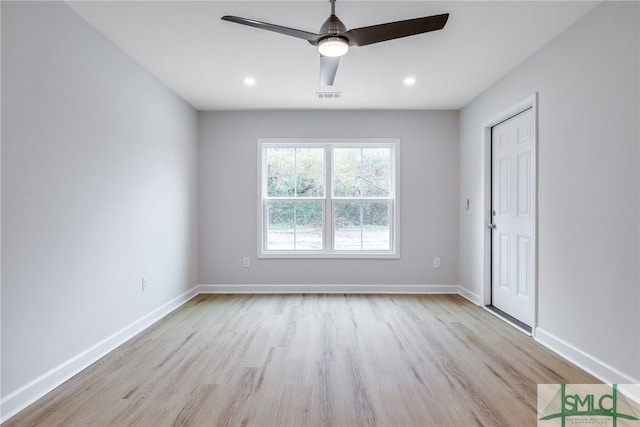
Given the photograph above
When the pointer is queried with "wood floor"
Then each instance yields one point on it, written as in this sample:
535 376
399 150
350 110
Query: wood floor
313 360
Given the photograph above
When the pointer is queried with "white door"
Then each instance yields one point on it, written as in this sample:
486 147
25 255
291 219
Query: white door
512 250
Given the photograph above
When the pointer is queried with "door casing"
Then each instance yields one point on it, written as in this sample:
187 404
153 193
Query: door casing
529 102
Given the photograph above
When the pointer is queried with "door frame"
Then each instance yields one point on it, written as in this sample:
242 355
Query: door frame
525 104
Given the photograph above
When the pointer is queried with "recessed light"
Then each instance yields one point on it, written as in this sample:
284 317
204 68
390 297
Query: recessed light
249 81
409 81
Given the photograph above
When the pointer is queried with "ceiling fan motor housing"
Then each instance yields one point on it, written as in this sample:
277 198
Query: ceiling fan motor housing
333 26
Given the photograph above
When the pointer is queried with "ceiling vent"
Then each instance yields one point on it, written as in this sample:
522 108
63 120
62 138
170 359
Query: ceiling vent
329 95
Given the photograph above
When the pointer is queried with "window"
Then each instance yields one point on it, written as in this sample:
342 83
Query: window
328 198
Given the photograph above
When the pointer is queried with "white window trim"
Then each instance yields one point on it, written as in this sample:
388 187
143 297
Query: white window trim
394 253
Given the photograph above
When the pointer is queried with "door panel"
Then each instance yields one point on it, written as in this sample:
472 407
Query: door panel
504 183
524 184
504 252
513 227
524 266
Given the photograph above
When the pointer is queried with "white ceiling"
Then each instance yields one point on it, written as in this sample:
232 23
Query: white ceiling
205 60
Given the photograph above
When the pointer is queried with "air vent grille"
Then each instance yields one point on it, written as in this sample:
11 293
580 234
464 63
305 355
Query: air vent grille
329 95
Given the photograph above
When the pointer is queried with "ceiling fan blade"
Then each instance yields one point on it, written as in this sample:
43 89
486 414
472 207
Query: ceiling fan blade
305 35
395 30
328 69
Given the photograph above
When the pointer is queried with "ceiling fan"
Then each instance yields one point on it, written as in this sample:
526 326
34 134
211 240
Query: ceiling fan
334 39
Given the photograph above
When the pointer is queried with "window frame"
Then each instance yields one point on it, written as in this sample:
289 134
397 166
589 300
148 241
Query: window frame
328 201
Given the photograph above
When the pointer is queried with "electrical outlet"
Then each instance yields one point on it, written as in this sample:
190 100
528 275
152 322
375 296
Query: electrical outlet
246 262
145 284
436 263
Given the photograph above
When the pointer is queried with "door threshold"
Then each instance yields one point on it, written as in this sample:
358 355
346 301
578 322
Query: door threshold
509 319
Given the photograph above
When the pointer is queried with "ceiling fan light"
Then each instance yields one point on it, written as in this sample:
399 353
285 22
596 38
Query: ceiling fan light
333 46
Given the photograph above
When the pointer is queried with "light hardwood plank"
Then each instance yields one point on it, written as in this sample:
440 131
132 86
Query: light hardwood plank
313 360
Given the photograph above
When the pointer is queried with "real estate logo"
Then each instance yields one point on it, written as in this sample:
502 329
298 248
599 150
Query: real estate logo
577 405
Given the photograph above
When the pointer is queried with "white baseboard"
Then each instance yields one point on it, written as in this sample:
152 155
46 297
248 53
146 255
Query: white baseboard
26 395
328 289
589 363
631 391
471 296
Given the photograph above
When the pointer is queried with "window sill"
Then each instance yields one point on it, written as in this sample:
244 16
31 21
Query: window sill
331 255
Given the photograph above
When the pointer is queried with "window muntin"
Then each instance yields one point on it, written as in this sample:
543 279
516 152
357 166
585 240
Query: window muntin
294 226
362 226
361 172
295 172
328 198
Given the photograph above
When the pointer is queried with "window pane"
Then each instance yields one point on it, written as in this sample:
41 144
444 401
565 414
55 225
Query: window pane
347 181
294 226
310 172
281 226
348 226
281 172
308 233
362 226
362 172
376 172
375 226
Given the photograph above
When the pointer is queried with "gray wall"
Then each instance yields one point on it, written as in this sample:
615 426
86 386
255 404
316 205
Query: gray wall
588 183
99 180
98 189
228 196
